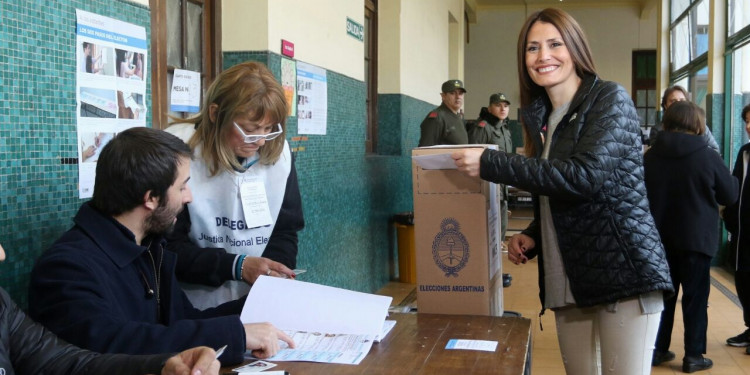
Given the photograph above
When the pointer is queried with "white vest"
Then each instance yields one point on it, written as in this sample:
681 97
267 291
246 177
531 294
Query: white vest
218 219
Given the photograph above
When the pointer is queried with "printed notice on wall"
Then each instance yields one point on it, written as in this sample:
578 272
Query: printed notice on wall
110 86
312 99
186 91
288 82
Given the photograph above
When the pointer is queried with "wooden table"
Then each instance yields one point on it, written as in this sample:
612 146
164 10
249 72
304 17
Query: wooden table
416 345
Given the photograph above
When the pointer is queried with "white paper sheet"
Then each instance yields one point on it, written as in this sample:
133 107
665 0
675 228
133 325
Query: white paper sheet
435 161
327 324
443 160
300 306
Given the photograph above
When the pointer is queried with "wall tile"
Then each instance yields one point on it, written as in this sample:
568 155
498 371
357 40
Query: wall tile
38 192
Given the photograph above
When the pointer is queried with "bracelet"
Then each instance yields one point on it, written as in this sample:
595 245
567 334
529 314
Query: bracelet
239 267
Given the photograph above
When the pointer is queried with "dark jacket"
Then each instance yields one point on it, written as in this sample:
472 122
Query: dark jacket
26 347
737 215
91 288
686 182
594 179
442 127
488 129
214 266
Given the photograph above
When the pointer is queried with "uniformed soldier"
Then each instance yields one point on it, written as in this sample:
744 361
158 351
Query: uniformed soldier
492 125
444 125
492 128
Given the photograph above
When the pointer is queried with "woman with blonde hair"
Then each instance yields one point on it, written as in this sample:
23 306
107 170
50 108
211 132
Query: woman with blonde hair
602 268
247 209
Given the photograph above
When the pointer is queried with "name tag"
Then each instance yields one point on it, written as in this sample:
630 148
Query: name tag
255 202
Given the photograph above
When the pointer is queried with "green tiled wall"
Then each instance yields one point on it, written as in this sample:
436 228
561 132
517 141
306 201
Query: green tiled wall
348 197
715 117
38 193
715 120
399 117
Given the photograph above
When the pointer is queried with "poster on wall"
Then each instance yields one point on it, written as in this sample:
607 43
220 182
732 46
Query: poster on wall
288 82
110 86
312 99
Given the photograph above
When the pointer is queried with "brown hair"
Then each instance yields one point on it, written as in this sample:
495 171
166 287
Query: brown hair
745 111
577 45
137 161
669 92
685 117
245 89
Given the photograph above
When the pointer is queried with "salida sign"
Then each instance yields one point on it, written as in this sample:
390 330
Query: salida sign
354 29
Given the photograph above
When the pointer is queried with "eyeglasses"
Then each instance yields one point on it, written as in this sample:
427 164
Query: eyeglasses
252 138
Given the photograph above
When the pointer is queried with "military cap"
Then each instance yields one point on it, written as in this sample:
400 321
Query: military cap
453 85
499 97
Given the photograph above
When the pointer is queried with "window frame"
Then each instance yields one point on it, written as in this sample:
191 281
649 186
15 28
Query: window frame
734 43
700 60
160 70
371 72
644 83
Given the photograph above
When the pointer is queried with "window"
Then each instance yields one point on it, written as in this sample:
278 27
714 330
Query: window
688 35
740 93
644 87
737 74
677 7
738 15
688 32
184 35
696 83
371 74
698 86
680 38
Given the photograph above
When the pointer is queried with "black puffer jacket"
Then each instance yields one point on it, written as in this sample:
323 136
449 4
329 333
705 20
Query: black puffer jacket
594 179
28 348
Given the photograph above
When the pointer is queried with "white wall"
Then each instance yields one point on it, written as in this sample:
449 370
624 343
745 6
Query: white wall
414 40
491 59
389 46
244 25
613 33
317 29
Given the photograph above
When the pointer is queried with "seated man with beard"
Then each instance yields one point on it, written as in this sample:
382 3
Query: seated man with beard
108 285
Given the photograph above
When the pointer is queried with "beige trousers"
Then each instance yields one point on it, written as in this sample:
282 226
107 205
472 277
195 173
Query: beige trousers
595 341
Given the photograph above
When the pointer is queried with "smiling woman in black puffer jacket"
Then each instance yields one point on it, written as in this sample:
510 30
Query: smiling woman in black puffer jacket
602 268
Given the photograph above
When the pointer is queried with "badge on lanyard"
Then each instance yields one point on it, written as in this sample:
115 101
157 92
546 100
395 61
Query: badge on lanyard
255 202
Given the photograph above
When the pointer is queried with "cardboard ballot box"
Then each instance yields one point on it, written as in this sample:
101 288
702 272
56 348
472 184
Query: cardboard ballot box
457 237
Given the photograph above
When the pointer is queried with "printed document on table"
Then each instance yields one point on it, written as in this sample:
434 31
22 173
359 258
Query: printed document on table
327 324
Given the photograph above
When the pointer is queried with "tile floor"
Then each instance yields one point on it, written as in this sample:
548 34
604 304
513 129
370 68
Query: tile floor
725 320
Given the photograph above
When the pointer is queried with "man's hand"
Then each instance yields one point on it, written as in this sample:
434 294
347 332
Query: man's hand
518 245
196 361
256 266
467 160
263 339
